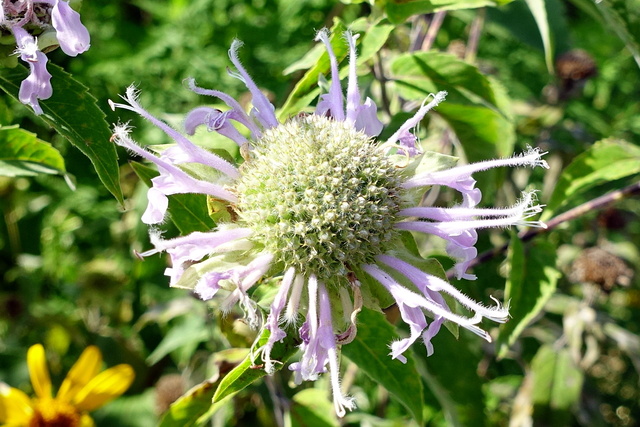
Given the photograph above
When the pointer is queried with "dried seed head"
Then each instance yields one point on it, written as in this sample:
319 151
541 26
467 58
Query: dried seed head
598 266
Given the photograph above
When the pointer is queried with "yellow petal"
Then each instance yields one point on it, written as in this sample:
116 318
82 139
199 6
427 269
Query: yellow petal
37 362
87 421
15 406
87 367
106 386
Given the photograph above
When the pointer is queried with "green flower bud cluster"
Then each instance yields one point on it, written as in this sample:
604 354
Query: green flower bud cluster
320 196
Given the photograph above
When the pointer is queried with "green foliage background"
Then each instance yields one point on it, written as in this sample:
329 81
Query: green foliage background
570 354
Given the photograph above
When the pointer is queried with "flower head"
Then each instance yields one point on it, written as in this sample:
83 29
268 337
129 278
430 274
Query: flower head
29 19
84 389
320 206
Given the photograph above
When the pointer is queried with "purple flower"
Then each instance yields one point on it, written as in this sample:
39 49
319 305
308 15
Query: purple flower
71 35
38 84
319 208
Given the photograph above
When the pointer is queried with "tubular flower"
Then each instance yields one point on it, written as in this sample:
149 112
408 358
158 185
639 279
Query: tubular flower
319 207
83 390
39 25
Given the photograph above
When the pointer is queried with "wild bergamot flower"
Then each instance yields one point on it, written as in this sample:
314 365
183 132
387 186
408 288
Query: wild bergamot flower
84 389
320 206
40 26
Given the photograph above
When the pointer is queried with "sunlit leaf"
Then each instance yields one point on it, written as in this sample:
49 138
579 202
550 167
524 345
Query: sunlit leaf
312 408
307 87
370 351
605 161
247 372
316 61
195 407
532 281
374 37
557 386
23 154
539 12
73 113
474 107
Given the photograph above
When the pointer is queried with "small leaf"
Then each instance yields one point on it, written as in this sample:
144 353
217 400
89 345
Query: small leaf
307 87
73 113
194 407
539 12
399 10
246 372
23 154
605 161
532 281
312 408
370 351
317 61
186 411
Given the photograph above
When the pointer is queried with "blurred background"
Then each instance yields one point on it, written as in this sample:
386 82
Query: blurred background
69 277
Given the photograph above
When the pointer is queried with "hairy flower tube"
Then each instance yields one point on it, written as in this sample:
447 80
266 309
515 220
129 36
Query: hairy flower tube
84 389
41 25
320 207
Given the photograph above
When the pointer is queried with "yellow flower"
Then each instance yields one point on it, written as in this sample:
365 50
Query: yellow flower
84 389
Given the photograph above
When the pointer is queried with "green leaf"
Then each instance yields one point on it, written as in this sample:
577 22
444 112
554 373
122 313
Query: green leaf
190 407
605 161
189 212
316 61
452 376
370 351
138 410
312 408
475 106
483 132
246 372
539 12
623 17
557 386
399 10
183 338
23 154
431 72
307 87
194 407
532 281
73 113
374 38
